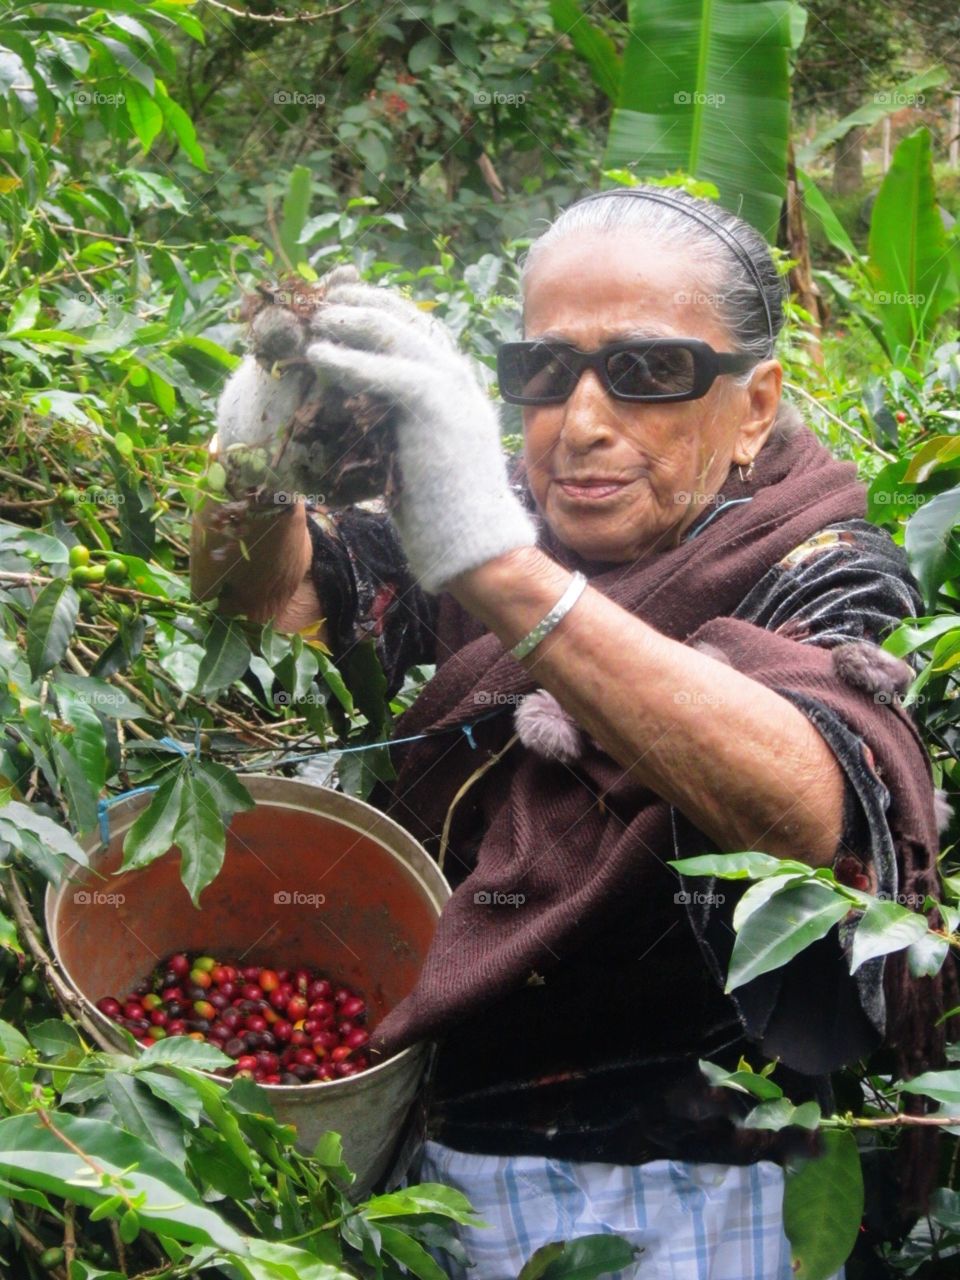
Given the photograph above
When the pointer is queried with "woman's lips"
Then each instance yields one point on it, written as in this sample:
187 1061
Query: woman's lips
591 490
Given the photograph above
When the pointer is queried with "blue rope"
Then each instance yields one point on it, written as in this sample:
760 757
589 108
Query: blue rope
104 805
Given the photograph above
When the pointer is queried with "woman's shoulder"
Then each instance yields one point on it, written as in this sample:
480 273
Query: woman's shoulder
849 580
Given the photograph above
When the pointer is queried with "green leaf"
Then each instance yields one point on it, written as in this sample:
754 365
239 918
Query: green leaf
50 625
425 1197
762 892
777 1113
804 912
24 311
145 116
696 81
411 1254
931 544
580 1259
823 1206
594 45
200 835
226 656
870 113
942 1086
927 956
76 787
736 866
45 829
885 927
817 206
296 210
183 1052
153 833
106 699
87 744
31 1154
424 54
910 262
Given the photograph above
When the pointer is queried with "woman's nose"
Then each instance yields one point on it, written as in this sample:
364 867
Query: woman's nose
589 414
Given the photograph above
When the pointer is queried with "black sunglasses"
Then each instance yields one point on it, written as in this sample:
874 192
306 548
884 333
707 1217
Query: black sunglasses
663 369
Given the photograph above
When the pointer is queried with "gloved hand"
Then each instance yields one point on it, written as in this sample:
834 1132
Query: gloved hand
455 509
260 400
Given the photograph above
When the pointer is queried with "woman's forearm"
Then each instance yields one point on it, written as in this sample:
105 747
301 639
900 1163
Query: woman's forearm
742 763
271 581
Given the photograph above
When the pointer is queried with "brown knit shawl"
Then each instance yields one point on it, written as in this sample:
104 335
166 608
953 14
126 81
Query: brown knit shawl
549 837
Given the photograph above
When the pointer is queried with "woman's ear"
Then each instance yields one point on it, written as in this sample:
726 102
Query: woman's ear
762 395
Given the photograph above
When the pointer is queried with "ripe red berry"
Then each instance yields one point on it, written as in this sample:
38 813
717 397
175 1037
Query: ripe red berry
342 995
109 1006
353 1008
251 973
319 990
282 1029
357 1038
340 1053
269 980
179 964
297 1008
251 991
305 1056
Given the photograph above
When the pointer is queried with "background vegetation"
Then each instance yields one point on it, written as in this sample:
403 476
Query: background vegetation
156 162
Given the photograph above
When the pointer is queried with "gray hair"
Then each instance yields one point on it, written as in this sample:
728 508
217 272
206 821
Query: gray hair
734 295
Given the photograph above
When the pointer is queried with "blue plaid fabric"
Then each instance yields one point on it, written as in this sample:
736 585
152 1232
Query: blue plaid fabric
689 1221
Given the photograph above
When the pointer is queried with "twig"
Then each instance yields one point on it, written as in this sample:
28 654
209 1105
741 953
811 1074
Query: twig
278 18
474 777
847 426
901 1121
66 997
36 1245
69 1233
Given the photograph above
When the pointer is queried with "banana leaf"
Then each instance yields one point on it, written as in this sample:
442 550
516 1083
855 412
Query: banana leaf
705 88
913 264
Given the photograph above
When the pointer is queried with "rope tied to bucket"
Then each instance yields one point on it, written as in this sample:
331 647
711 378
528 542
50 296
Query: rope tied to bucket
105 804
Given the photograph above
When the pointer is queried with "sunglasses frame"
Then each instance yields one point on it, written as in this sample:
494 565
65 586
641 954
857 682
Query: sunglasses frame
708 365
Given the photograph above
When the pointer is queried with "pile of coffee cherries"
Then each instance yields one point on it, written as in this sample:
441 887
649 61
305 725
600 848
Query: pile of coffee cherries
281 1026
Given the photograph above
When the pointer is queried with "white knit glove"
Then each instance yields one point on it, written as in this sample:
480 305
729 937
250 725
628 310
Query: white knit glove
455 509
259 401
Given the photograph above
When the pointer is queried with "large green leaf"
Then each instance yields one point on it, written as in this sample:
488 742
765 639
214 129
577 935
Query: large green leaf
912 265
296 210
50 625
932 546
594 46
803 912
885 927
822 1207
705 89
30 1153
200 834
226 656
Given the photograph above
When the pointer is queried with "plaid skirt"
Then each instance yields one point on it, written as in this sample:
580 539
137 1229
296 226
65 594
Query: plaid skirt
688 1221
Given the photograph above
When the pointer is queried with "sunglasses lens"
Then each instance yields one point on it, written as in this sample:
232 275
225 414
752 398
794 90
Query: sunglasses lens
535 373
659 371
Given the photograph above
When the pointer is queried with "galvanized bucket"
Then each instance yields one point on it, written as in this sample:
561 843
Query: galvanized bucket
311 877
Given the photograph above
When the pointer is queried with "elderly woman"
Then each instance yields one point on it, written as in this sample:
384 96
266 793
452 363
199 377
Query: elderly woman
661 638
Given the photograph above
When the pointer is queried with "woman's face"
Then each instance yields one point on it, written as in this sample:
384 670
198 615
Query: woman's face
614 480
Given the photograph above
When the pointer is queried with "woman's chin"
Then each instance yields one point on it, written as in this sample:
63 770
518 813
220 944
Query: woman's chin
615 545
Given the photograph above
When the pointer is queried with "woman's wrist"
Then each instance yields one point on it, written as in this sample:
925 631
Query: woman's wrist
512 593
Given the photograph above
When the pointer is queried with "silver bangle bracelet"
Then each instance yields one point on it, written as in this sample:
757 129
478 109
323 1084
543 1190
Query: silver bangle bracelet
574 591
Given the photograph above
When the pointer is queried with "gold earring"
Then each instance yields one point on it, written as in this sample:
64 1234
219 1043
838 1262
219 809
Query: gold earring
745 478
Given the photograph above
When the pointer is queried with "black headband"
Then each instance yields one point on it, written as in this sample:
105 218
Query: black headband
705 220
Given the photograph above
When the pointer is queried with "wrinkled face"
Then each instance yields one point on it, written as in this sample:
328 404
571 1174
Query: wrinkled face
614 480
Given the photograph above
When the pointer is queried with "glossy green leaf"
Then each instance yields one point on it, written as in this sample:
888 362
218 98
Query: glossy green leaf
226 656
823 1206
931 544
153 833
885 927
200 834
594 45
804 912
50 625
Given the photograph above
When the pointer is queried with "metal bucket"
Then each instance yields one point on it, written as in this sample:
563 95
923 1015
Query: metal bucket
311 877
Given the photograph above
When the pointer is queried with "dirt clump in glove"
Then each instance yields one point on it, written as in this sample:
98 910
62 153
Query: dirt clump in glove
338 447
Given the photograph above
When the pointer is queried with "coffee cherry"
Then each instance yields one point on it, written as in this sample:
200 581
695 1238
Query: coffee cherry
109 1006
79 555
353 1008
235 1047
200 978
179 964
269 980
282 1029
355 1039
297 1008
115 571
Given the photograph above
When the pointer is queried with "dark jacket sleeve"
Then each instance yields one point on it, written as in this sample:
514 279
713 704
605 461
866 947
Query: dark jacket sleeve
367 591
848 583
